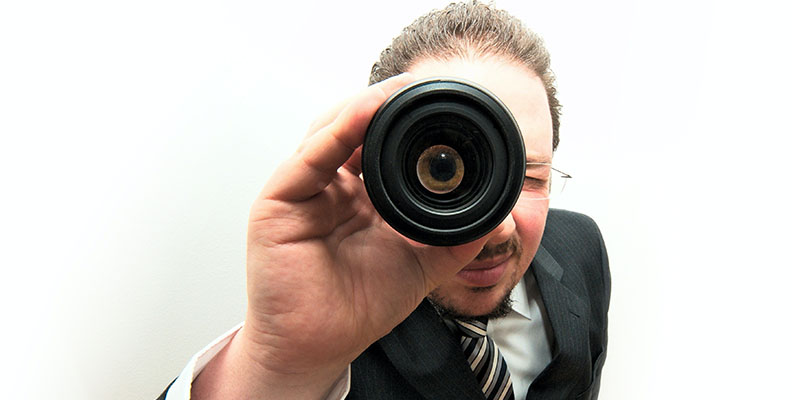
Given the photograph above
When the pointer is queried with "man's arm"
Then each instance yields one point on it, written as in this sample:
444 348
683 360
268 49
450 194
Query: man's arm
180 387
326 277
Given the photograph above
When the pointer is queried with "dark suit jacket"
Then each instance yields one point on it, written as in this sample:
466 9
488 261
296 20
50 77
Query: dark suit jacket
421 359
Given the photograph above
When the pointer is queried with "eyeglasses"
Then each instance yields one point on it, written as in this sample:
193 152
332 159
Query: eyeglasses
542 181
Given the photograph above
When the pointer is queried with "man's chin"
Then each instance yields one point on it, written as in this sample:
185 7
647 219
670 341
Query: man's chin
447 310
461 300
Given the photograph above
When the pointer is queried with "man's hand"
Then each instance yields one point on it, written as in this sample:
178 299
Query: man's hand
326 276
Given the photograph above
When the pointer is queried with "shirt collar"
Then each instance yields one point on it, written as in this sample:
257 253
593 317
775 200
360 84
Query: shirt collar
519 297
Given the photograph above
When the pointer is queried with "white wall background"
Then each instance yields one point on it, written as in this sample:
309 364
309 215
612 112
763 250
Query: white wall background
136 134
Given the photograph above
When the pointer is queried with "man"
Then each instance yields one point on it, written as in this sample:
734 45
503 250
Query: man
339 304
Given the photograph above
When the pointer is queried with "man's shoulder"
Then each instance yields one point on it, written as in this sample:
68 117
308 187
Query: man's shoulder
564 223
574 241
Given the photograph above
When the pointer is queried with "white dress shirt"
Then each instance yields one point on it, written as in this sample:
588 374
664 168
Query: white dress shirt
523 337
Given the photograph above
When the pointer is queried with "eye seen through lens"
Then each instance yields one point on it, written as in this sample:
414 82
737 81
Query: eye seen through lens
440 169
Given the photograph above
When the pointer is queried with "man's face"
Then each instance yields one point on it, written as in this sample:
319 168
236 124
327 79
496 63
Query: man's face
483 285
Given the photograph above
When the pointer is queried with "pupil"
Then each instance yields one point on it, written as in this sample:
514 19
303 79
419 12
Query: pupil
442 167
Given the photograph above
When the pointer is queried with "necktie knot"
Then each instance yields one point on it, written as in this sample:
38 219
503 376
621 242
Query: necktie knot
475 328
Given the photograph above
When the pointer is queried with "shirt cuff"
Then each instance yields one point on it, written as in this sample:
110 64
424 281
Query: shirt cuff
181 389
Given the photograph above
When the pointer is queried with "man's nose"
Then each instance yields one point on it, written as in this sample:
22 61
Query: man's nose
503 232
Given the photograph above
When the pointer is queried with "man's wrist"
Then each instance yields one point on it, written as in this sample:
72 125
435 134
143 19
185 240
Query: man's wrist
235 374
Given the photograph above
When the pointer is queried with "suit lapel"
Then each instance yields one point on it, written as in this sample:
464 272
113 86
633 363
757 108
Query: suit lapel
564 309
428 356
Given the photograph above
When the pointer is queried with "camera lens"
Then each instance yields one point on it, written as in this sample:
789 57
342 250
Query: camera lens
443 161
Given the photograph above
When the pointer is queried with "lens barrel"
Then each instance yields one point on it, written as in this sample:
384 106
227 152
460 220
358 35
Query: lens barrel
443 161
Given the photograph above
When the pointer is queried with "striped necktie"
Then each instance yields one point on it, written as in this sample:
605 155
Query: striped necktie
484 359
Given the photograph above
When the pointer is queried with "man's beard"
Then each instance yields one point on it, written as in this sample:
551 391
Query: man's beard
503 308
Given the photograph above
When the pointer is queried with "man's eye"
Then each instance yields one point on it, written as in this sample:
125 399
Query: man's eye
533 183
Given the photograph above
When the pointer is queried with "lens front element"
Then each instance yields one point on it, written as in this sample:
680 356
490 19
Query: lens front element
440 169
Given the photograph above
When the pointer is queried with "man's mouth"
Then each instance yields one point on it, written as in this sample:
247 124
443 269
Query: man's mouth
487 263
485 272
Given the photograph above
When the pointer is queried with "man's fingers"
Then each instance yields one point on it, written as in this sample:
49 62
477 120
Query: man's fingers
318 159
325 119
353 164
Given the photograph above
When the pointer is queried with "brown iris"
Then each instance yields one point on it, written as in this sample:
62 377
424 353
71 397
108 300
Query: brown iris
440 169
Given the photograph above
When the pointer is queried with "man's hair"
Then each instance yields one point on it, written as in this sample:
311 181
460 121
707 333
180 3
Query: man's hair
467 30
